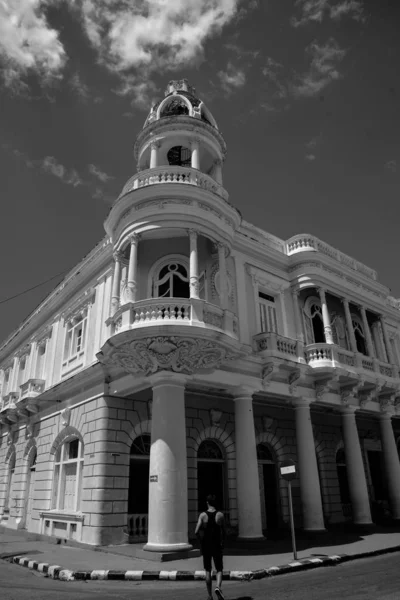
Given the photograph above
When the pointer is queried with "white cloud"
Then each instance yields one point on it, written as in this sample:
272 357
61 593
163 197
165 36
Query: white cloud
391 165
310 157
99 174
315 11
322 71
152 36
68 176
79 86
27 42
231 78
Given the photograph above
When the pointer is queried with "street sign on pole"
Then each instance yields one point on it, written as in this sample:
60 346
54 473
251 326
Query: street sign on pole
288 471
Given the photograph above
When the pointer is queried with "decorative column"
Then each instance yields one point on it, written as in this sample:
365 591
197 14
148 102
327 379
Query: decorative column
247 480
194 265
168 495
349 325
355 468
310 491
195 162
218 171
391 458
367 333
115 296
223 287
297 315
325 317
154 146
132 269
389 352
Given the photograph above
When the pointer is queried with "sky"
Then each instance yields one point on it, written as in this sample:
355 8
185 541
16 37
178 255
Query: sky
305 92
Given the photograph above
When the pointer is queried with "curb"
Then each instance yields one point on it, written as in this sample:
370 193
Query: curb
58 572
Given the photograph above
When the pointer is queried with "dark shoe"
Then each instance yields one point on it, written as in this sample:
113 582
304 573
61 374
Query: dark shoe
219 594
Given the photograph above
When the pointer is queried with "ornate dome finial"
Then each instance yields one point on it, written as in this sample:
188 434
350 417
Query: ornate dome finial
179 85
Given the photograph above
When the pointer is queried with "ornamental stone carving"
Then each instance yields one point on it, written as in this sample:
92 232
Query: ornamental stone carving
65 416
215 416
179 354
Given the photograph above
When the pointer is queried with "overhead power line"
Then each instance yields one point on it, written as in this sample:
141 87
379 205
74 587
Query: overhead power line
34 287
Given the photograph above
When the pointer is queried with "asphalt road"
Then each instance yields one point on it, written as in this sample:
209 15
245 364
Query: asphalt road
369 579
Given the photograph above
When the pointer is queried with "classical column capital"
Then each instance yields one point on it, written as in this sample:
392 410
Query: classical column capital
192 233
347 410
245 391
118 256
134 238
168 378
387 407
155 144
301 402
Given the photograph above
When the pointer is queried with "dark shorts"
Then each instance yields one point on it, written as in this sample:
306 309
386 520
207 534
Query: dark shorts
214 553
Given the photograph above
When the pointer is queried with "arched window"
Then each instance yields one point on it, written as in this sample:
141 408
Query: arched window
264 453
314 325
67 484
359 335
138 498
171 281
343 481
175 106
211 478
179 156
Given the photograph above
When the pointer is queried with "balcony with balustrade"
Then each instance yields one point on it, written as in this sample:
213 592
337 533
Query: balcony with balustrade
327 361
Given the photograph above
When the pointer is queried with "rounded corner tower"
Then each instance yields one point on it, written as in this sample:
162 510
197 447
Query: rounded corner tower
179 157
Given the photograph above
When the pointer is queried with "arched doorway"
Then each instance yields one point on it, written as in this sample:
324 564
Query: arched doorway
138 497
341 469
30 486
210 475
269 489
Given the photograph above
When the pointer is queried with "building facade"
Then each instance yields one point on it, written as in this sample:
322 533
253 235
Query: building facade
191 352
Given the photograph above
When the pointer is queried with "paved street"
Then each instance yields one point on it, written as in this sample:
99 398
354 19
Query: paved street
366 579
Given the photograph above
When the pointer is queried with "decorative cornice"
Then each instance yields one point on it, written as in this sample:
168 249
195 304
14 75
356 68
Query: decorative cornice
79 305
265 279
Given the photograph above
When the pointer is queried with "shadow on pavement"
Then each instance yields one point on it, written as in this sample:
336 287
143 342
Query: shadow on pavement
281 542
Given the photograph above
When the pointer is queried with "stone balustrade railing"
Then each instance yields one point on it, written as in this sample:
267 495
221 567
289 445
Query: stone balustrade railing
138 525
174 174
175 311
157 309
307 243
272 343
32 388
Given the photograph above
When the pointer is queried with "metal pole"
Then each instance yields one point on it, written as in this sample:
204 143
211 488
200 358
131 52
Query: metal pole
292 521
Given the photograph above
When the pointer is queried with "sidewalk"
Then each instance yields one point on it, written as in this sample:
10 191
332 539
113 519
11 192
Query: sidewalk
241 561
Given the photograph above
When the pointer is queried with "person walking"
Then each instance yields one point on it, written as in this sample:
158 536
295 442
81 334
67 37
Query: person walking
210 530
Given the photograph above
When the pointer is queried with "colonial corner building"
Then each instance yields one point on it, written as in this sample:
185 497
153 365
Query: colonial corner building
192 352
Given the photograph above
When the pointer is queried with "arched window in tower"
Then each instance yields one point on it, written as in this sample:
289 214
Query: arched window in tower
172 281
359 335
179 156
176 106
314 325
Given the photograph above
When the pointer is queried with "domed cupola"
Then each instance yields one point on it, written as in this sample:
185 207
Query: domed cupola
180 99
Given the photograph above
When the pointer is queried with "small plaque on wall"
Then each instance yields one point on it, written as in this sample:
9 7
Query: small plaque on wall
153 478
